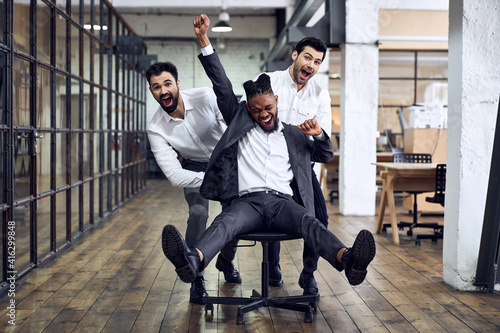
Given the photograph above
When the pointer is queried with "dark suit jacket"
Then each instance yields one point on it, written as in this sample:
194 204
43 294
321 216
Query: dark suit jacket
221 178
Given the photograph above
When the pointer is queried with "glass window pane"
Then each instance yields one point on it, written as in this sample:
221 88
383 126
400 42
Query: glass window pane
75 208
43 227
86 57
60 218
22 165
43 32
75 104
75 50
86 106
75 10
434 92
22 220
86 13
61 43
86 204
3 86
74 158
61 116
22 85
61 139
396 92
396 64
97 108
43 162
43 98
105 24
22 27
97 63
86 155
432 65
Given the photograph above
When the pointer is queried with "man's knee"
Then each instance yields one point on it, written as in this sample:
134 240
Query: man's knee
198 212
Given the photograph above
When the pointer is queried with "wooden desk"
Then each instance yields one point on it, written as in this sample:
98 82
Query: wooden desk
402 177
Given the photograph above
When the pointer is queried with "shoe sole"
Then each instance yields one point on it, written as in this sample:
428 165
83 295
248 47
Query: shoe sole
363 253
174 250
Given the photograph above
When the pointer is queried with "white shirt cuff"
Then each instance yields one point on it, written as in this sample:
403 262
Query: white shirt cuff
320 136
207 50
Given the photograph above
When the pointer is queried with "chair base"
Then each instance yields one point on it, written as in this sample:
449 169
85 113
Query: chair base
257 301
438 234
262 299
411 225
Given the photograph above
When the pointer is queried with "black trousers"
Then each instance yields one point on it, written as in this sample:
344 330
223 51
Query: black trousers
269 212
309 257
198 213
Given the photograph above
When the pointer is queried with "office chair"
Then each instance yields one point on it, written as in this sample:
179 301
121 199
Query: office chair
411 158
258 300
439 199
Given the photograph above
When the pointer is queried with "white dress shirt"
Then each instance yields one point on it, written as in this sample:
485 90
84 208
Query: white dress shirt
263 163
193 137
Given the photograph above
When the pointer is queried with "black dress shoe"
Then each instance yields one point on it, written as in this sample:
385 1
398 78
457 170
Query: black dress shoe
198 293
308 283
185 259
275 279
357 258
230 273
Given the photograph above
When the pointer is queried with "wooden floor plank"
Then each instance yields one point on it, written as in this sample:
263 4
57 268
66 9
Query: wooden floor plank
116 279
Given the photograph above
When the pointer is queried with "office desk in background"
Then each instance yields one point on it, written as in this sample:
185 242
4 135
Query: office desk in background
419 177
330 171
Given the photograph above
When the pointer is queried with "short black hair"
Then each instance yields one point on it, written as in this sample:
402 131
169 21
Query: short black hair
160 67
313 42
258 87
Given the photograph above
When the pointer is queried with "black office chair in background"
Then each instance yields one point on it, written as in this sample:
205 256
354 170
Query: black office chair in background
439 199
411 158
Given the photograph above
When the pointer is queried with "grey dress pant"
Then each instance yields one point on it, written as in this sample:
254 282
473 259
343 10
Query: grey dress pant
269 212
198 213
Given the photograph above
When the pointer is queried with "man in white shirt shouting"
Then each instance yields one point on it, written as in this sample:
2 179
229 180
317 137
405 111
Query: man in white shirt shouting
190 124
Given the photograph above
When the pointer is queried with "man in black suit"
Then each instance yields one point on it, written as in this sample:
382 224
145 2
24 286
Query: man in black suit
260 172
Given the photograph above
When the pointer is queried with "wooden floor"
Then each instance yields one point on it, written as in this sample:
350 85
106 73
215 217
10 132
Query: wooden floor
117 280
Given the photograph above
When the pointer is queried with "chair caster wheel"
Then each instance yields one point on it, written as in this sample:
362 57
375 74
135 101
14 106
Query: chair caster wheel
409 232
434 240
384 230
240 319
209 307
313 306
308 317
417 242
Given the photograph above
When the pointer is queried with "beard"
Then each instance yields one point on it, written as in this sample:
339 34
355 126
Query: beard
175 100
297 75
275 123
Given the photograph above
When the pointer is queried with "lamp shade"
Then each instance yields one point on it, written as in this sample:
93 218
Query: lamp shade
222 25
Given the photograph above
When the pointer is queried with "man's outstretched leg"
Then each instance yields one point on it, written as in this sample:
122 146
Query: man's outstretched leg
357 258
185 258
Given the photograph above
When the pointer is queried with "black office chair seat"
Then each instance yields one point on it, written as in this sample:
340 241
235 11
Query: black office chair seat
258 300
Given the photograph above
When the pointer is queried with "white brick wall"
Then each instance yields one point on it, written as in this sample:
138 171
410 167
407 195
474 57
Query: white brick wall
241 60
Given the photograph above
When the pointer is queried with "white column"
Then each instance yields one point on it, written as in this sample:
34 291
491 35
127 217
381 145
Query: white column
358 109
474 85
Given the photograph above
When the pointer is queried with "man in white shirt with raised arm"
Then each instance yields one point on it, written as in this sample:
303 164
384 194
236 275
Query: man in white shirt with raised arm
187 123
